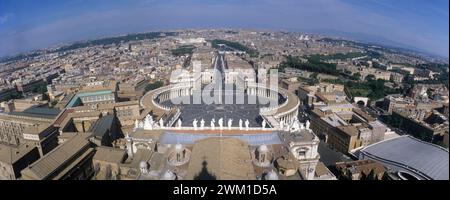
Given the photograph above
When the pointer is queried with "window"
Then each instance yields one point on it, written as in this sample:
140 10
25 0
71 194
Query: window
302 152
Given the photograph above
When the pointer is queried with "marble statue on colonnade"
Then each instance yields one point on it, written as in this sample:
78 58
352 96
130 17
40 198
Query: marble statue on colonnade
194 123
308 124
179 123
213 126
136 124
221 123
230 122
247 123
296 125
202 124
148 122
161 123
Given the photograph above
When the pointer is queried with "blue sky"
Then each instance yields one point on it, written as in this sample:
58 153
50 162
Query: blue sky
32 24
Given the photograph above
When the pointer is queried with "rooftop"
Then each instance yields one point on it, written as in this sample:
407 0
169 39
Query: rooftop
407 151
38 112
362 166
109 154
76 98
102 125
302 136
349 130
10 154
62 155
222 159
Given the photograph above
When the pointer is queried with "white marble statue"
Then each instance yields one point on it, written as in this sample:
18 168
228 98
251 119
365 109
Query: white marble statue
148 122
230 122
161 123
136 124
240 124
150 118
213 126
141 124
179 123
221 123
202 124
194 123
263 124
308 124
247 123
287 127
296 126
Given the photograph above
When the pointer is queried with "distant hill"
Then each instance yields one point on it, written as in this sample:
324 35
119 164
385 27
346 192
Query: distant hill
88 43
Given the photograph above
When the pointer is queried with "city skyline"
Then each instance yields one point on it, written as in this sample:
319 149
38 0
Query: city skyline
223 105
417 25
224 90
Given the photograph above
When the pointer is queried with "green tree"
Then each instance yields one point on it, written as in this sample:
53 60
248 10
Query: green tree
183 50
370 77
313 81
356 76
53 103
40 88
235 45
312 64
12 95
152 86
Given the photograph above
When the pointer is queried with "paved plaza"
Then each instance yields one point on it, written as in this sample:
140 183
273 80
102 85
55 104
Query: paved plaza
245 110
